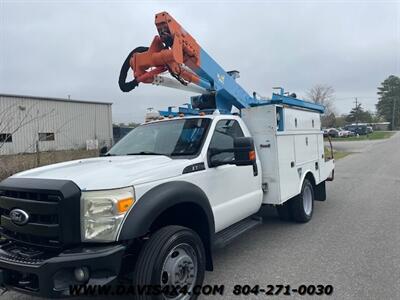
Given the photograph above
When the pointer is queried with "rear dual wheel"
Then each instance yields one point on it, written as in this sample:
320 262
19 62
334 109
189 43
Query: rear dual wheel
299 208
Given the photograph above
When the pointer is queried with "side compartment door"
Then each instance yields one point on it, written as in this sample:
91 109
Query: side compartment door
234 190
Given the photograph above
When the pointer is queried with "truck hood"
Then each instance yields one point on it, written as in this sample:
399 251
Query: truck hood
110 172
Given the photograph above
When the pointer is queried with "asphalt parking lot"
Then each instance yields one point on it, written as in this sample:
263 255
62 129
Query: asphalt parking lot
352 242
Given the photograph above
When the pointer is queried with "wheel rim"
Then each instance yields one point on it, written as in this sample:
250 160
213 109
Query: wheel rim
307 200
179 269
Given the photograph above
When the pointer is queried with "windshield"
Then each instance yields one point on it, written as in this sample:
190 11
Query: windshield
172 138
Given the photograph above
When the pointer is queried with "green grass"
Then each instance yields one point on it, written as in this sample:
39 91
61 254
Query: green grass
336 154
376 135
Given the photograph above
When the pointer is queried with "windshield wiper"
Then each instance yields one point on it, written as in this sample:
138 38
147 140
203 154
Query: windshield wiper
146 153
181 153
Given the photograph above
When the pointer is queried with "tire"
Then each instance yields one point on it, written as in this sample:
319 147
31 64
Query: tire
171 249
302 206
284 211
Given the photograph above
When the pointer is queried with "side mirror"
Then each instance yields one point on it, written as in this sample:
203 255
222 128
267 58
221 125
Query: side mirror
244 152
103 150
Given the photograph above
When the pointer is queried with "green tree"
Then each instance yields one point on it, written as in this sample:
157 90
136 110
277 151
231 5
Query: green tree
359 115
376 118
388 105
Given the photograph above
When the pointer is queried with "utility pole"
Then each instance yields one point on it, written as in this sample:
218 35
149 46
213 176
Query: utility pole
393 113
356 111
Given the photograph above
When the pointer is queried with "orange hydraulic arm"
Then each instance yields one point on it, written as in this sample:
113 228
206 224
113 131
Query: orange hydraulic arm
176 51
172 48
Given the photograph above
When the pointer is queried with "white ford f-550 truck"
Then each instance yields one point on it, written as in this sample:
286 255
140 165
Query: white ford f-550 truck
156 204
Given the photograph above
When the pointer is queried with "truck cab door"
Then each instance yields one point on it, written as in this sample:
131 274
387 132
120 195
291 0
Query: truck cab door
235 191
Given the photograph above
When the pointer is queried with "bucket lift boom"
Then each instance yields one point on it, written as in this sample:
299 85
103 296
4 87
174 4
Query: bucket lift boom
175 51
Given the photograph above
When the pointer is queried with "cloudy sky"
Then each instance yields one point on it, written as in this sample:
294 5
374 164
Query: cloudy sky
61 48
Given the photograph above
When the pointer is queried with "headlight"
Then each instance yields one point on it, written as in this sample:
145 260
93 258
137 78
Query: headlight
102 213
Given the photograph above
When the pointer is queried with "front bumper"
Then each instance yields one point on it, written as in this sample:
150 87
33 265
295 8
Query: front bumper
52 277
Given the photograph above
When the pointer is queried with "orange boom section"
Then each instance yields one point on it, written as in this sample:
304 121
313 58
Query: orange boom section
173 50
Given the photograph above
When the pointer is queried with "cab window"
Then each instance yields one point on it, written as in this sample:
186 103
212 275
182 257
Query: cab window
224 134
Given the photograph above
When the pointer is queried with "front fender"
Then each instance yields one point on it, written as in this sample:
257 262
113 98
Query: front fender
154 202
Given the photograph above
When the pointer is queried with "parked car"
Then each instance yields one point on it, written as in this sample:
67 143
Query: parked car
360 129
350 133
345 133
333 132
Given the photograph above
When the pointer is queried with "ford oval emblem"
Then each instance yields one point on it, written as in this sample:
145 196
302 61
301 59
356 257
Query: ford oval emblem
19 217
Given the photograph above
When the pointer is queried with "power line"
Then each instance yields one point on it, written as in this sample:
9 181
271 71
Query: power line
350 98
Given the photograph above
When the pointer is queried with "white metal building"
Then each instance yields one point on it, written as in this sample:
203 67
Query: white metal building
29 124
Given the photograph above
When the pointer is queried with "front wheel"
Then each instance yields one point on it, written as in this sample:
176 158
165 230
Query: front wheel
302 206
173 257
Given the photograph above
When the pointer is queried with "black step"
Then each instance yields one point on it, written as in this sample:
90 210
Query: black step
227 235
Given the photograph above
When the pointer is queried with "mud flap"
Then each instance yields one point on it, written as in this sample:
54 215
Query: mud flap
320 191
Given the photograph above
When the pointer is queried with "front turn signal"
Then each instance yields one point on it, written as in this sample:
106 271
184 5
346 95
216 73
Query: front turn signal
124 205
